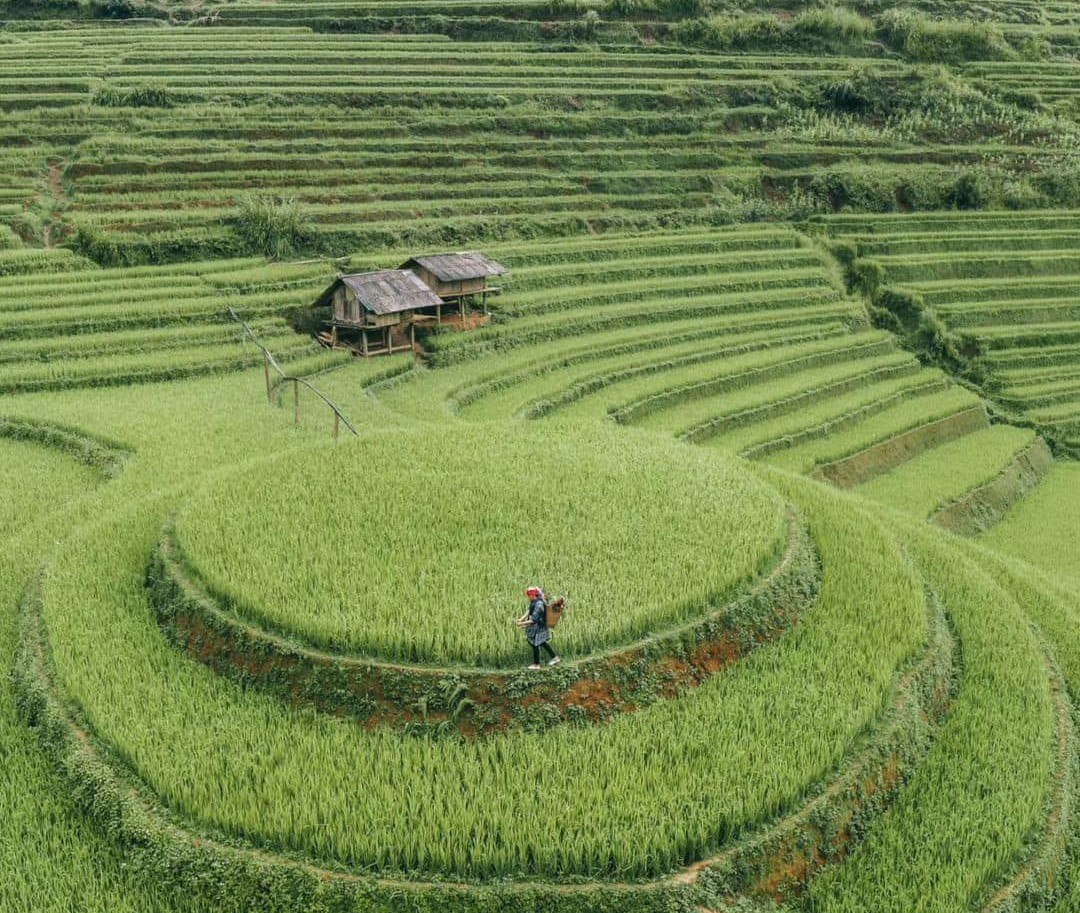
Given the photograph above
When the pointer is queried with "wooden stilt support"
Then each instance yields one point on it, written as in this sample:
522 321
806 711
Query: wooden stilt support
438 313
363 342
412 335
483 301
296 401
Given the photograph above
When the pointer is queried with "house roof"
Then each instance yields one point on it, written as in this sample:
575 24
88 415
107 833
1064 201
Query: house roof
388 291
463 265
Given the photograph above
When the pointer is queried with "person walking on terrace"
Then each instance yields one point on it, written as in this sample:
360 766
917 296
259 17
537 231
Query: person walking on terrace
537 632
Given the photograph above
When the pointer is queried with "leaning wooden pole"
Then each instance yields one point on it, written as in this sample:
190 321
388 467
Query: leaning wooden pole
269 362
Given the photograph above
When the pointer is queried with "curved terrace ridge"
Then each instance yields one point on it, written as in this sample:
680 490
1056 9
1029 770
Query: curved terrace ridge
104 457
774 861
483 700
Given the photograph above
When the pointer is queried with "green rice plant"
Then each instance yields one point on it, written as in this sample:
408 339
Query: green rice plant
821 420
705 279
938 294
1035 310
127 368
22 260
46 839
637 405
781 308
979 265
515 380
1042 528
905 415
590 389
480 563
701 421
32 475
972 809
929 481
39 322
1051 333
742 767
395 143
133 341
968 242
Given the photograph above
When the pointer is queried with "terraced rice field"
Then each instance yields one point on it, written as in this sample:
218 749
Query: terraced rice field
786 364
70 323
127 140
1007 282
1042 530
779 294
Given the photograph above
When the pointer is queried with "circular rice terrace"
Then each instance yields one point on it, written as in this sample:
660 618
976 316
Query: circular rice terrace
781 762
673 576
416 547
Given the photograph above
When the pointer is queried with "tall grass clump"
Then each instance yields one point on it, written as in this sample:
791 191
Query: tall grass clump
942 41
273 227
835 23
731 33
150 95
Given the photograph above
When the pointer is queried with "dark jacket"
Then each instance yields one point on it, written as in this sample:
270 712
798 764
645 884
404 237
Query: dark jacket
537 630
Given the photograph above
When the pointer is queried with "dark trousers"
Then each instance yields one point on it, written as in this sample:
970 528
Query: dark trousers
536 652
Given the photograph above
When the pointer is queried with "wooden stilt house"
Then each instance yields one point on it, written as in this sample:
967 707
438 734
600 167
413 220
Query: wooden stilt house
374 304
456 278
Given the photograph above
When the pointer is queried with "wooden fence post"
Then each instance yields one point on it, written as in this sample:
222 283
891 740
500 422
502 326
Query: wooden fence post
296 400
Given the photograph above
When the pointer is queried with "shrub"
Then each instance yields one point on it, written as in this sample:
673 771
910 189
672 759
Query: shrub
91 242
866 276
974 189
275 228
845 251
932 332
1061 185
590 24
28 226
859 91
1028 99
147 96
1022 195
938 41
862 189
904 305
724 33
833 23
884 320
120 9
1035 49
